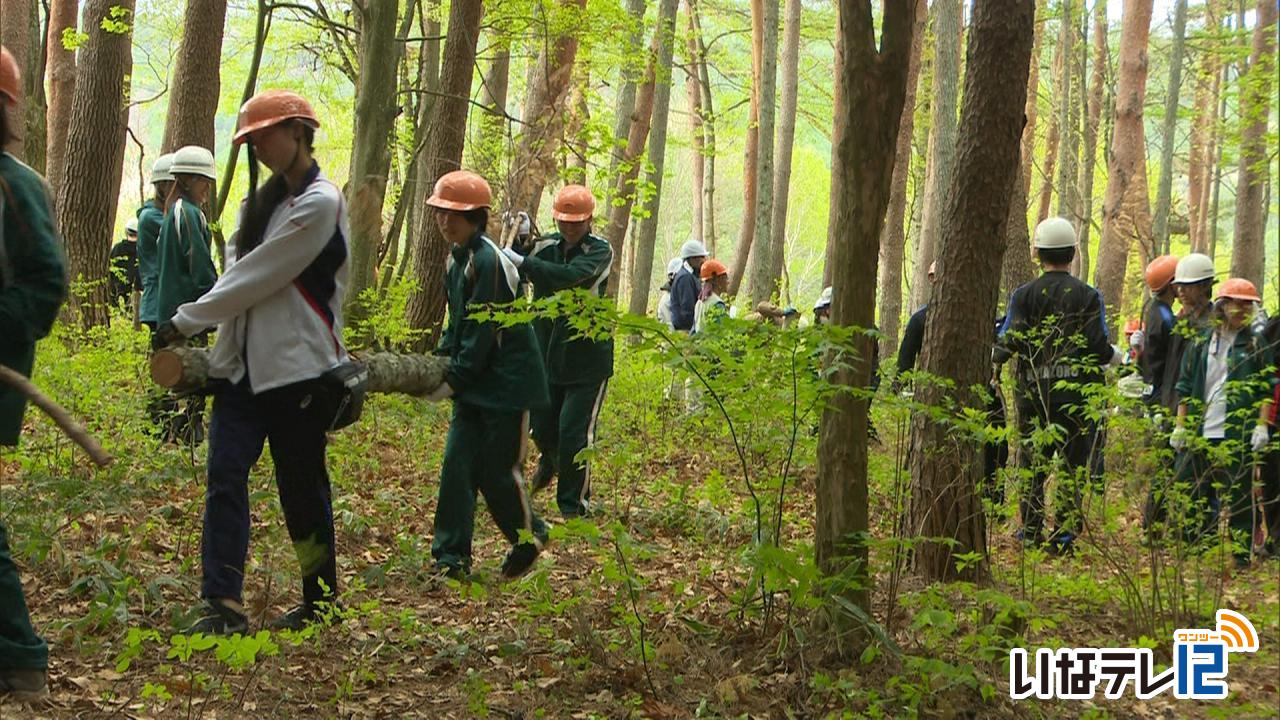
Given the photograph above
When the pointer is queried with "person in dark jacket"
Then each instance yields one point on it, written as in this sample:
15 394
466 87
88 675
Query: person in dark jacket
1056 329
150 218
123 260
913 335
495 377
686 287
33 284
578 368
1153 338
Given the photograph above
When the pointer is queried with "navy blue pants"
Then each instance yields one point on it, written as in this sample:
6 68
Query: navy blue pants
294 420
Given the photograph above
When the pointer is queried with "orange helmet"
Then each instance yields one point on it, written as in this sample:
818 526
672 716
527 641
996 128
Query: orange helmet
574 203
712 269
9 76
1160 272
272 107
1238 289
460 191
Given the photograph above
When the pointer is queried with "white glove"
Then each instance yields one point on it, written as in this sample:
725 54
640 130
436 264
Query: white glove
1260 437
1136 339
440 393
526 226
1178 439
516 258
1117 356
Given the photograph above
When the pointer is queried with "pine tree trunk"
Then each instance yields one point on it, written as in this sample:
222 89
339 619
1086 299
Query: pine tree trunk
948 28
893 240
751 154
1164 190
376 108
196 80
60 69
1097 83
697 145
1127 167
870 78
545 113
1248 255
763 243
445 135
642 269
87 201
947 465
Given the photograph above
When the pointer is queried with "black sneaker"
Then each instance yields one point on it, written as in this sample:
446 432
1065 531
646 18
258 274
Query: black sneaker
24 684
218 619
523 556
542 477
300 616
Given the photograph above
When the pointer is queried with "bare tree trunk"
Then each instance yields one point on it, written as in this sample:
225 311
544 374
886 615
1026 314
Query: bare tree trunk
1200 157
751 155
1067 147
492 123
261 29
893 241
624 189
1164 190
21 34
577 145
948 28
1248 255
876 78
786 140
1019 267
709 133
15 17
1053 142
87 202
1033 99
947 465
1097 82
697 146
763 244
1217 146
642 270
626 101
544 117
445 135
196 80
61 70
839 127
1127 167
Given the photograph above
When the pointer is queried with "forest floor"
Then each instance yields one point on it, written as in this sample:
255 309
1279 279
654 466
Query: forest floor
110 562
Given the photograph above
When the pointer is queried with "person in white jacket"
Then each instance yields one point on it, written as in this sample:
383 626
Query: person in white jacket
278 310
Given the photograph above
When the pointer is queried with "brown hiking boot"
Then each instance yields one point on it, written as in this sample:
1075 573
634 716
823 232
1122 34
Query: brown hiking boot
24 683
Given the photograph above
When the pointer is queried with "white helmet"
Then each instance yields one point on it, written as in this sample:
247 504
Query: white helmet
824 299
194 160
692 249
1055 233
673 267
131 225
160 170
1193 268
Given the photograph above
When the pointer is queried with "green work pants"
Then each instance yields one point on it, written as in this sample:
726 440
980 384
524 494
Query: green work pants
20 647
563 430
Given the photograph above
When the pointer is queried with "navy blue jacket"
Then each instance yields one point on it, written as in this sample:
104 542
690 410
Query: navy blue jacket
684 296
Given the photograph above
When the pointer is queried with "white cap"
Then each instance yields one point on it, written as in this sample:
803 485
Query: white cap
160 170
1193 268
131 225
194 160
673 267
692 249
1055 233
824 299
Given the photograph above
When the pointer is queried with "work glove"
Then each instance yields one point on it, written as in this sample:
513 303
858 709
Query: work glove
1178 438
516 258
1118 356
1260 437
167 334
444 391
1136 339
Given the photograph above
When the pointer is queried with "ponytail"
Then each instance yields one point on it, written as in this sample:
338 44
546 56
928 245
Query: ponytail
261 202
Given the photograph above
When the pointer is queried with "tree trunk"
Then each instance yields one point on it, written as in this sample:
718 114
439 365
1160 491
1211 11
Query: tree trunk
376 108
261 29
20 33
577 143
947 465
948 29
1200 157
1067 147
642 269
1033 100
624 189
893 240
839 127
626 101
1248 256
15 16
492 123
697 146
709 133
751 153
1164 190
544 117
786 141
61 69
183 368
1128 152
445 135
763 243
870 78
1053 142
1217 145
87 201
1019 267
196 79
1097 83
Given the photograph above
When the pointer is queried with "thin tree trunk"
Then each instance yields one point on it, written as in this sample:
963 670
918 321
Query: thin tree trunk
626 102
763 243
1164 190
1200 155
1033 99
196 79
751 153
87 202
1128 152
1018 267
871 78
488 152
893 241
697 146
445 135
1248 256
61 69
1097 83
261 30
946 466
839 127
577 145
1218 149
1053 142
948 29
642 270
1067 147
709 133
786 139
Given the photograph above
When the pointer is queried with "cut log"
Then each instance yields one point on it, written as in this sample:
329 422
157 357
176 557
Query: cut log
186 369
73 429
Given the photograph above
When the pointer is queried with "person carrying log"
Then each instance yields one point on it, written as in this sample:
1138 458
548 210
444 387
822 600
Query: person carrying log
495 377
33 284
578 368
278 310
